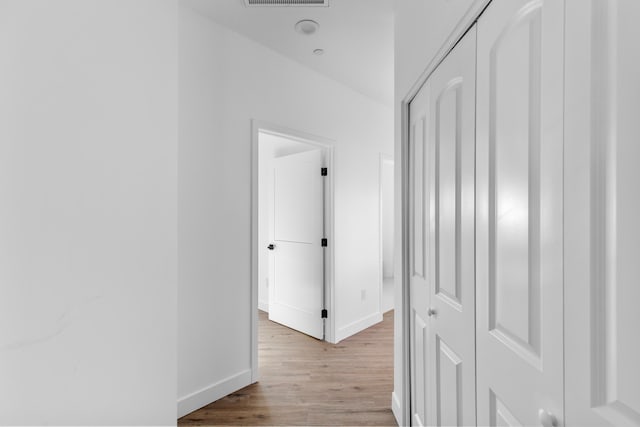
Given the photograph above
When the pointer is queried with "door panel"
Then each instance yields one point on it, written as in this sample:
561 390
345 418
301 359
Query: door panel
442 150
419 207
500 414
296 263
449 382
447 174
418 178
451 149
519 212
602 211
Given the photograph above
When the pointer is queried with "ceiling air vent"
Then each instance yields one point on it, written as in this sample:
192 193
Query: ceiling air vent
285 3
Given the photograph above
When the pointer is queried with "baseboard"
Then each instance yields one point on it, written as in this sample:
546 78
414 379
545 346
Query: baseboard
396 408
263 306
357 326
209 394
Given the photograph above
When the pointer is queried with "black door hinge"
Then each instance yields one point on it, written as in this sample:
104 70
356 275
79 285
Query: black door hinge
324 313
323 171
324 243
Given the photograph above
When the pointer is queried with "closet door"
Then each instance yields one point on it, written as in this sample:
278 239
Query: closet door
419 292
451 369
602 261
442 157
519 268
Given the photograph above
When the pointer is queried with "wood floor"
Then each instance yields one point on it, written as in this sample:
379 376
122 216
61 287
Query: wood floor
307 382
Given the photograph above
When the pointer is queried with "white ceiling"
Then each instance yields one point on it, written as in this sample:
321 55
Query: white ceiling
356 35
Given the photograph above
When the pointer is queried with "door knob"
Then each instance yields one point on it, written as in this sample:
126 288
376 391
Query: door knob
547 419
271 246
431 312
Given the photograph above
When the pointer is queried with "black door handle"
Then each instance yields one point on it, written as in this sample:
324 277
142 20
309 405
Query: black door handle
271 246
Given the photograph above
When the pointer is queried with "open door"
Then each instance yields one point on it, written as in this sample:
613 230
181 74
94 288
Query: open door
296 261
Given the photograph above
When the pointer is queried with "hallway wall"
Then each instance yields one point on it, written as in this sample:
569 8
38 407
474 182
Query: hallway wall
225 81
88 246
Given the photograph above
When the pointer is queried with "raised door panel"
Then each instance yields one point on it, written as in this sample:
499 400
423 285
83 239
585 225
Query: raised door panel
514 186
451 152
500 415
602 211
449 383
519 212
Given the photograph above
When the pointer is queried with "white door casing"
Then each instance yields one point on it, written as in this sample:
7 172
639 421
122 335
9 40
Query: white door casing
519 213
296 284
601 213
442 140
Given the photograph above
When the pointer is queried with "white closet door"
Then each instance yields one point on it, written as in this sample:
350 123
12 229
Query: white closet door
442 157
419 292
602 208
451 269
519 213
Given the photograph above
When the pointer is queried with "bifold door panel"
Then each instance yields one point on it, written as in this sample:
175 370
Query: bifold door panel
519 250
442 281
602 233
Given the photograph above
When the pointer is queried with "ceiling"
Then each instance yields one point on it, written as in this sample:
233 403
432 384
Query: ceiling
356 35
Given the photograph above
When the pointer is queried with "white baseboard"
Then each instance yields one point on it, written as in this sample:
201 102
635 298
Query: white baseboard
263 306
209 394
357 326
396 408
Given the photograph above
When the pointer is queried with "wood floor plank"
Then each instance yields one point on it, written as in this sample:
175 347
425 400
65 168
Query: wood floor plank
306 382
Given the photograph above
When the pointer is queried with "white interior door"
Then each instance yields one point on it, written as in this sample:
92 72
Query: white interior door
296 267
519 213
442 156
602 231
451 285
418 283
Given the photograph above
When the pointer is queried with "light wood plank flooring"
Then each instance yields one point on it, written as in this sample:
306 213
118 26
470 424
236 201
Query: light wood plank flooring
304 381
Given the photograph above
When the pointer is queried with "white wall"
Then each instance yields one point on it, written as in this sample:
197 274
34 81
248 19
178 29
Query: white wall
421 27
88 142
270 147
225 81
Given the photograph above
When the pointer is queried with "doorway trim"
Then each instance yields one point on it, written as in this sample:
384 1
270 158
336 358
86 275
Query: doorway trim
464 24
384 159
257 127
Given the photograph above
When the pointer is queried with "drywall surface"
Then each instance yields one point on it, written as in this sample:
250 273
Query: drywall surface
270 147
88 246
226 81
421 28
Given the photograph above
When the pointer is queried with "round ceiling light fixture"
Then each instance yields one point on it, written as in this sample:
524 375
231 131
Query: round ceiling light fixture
307 27
318 51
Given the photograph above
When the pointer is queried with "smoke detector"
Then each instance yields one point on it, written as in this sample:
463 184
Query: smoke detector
307 27
285 3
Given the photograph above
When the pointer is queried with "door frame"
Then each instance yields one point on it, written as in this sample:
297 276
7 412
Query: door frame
383 159
464 24
327 145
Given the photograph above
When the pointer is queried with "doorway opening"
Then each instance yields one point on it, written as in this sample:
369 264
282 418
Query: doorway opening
292 236
292 232
315 381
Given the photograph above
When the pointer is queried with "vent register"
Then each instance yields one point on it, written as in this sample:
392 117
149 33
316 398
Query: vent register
260 3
